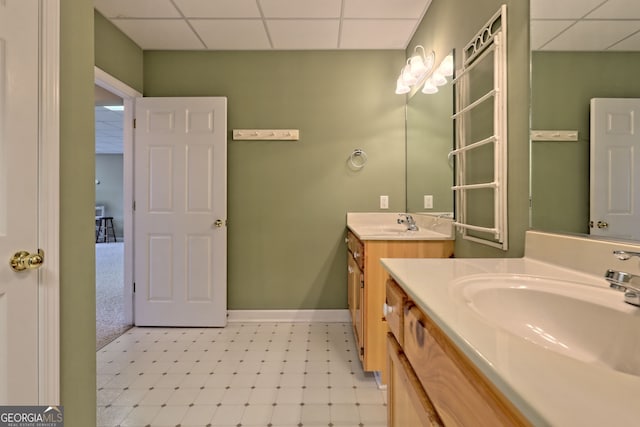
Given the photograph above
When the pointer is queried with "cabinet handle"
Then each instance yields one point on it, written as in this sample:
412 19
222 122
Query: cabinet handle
350 269
346 240
356 254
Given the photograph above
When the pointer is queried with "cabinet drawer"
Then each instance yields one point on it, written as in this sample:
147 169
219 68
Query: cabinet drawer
408 403
356 247
394 304
461 394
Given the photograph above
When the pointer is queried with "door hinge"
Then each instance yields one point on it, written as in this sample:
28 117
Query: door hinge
362 283
134 123
361 351
134 287
134 205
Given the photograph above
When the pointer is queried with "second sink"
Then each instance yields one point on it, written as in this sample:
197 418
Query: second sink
585 322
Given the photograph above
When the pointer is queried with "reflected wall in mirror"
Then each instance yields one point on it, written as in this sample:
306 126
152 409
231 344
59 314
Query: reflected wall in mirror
429 141
582 50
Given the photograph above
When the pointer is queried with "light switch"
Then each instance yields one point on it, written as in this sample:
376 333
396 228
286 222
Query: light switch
428 202
384 202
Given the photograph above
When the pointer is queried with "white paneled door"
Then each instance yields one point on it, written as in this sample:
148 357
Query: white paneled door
180 212
18 201
615 168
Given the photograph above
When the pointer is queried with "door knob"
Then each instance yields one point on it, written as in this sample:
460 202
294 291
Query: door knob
23 260
602 224
218 223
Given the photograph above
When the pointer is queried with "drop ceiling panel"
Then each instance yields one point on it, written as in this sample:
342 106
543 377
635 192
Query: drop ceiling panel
304 34
136 8
592 35
543 31
617 9
301 8
593 25
376 34
219 8
631 43
562 9
385 8
234 34
160 34
286 24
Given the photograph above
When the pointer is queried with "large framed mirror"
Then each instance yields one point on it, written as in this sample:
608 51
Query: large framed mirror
429 136
581 49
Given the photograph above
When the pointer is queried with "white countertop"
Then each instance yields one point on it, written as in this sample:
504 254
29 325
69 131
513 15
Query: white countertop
547 387
384 226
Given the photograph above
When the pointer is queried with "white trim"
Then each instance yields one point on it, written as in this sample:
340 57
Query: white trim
49 204
288 316
128 94
113 85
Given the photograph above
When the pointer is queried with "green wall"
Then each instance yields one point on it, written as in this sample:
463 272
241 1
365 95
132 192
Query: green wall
109 191
77 189
117 54
450 24
429 141
288 200
562 85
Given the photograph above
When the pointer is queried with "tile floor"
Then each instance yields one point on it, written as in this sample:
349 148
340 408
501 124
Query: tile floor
247 374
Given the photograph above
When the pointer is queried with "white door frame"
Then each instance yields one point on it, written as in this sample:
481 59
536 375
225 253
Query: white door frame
49 205
128 94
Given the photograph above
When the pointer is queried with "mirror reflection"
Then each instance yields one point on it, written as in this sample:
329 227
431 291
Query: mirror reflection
429 141
581 50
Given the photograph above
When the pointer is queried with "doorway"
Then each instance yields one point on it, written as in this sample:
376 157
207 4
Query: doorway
114 205
111 320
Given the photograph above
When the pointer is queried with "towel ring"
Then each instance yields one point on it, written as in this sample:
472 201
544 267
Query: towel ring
358 159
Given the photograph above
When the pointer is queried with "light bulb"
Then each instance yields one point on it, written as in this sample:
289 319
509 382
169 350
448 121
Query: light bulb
407 77
429 87
446 66
401 87
438 79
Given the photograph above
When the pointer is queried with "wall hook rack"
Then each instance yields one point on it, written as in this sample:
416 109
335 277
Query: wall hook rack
266 134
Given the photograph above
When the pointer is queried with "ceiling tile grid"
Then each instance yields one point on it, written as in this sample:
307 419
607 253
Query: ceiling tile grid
585 25
266 24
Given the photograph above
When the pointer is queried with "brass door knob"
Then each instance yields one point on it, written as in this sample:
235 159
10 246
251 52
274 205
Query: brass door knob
218 223
602 224
23 260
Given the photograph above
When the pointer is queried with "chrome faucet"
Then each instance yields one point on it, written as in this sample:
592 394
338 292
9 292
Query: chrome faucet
625 255
408 219
625 282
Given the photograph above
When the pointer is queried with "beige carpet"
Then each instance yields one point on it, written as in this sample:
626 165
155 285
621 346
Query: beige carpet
110 319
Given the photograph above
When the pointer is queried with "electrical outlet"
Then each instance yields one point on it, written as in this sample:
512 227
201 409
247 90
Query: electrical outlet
384 202
428 202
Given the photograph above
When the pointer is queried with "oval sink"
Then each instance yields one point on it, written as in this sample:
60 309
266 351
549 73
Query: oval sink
585 322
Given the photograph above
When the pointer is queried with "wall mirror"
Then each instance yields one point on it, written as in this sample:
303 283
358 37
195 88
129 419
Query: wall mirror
429 136
581 49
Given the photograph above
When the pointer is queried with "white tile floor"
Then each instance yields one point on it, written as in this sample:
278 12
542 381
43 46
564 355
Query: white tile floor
269 374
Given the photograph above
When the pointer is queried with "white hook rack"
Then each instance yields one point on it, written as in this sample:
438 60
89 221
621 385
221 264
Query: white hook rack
266 134
554 135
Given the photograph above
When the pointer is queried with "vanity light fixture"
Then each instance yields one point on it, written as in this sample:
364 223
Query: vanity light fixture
419 70
439 76
416 69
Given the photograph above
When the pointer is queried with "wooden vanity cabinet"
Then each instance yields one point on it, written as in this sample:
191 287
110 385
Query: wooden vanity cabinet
448 381
366 290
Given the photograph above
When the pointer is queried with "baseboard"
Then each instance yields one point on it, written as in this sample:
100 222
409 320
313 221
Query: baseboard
288 316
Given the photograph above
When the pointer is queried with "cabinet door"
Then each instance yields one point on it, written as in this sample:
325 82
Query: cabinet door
354 297
461 394
408 404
